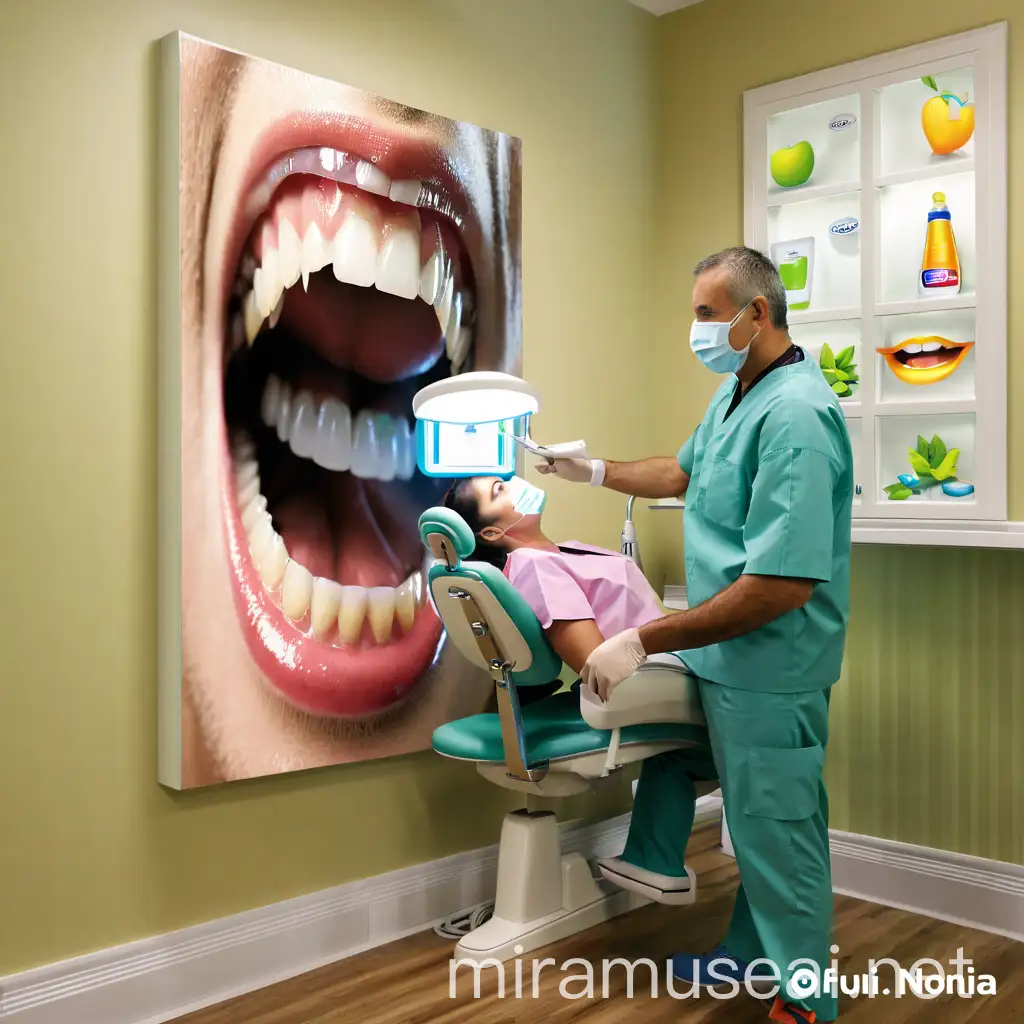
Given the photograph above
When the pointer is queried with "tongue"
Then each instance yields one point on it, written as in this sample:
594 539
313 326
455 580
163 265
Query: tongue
928 360
379 336
337 536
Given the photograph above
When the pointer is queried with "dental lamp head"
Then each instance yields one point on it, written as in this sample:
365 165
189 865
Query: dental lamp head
467 425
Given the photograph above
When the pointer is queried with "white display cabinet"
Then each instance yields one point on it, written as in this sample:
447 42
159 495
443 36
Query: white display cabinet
854 177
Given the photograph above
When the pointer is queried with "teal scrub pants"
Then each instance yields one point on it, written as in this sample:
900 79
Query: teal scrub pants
769 751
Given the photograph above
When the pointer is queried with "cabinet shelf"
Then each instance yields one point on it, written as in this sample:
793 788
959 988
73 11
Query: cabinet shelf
940 534
938 305
824 316
925 407
942 170
807 194
926 375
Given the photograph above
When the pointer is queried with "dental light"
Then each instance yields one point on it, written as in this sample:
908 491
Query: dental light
474 398
469 425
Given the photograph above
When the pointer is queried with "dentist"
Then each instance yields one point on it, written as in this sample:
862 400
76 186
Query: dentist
768 480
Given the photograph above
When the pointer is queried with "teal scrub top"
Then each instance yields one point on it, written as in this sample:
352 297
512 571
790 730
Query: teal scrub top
771 494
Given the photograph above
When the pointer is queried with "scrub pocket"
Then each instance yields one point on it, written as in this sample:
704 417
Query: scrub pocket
783 784
726 497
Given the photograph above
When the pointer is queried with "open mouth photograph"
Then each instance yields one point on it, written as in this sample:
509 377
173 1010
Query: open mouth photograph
338 252
925 360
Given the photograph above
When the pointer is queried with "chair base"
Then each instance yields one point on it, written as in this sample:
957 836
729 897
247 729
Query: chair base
542 896
500 939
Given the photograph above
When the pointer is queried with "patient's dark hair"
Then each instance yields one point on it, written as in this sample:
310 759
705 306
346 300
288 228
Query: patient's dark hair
461 498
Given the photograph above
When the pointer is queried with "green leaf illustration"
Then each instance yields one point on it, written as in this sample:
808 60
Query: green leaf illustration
937 452
830 376
947 468
828 359
845 358
841 389
919 464
852 377
842 374
897 492
930 82
922 447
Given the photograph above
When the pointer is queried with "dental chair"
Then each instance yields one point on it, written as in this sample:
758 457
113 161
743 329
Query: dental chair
559 745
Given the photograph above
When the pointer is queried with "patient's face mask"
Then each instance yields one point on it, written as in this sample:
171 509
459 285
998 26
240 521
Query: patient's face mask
527 500
710 344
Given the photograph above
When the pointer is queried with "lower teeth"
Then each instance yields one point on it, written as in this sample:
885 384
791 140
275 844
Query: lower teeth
320 607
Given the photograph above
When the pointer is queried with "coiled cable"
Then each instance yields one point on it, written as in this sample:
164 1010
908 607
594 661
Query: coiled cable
456 925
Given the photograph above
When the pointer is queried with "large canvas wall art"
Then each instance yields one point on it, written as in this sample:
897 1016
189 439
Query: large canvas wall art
325 253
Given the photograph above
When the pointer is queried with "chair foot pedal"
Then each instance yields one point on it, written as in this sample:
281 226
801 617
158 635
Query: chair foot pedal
673 892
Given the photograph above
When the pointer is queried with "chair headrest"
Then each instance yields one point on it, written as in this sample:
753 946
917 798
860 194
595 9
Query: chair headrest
440 524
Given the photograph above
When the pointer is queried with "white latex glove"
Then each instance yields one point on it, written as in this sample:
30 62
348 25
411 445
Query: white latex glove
576 471
615 660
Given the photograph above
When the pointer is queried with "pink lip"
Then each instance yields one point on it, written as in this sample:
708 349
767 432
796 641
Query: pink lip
322 679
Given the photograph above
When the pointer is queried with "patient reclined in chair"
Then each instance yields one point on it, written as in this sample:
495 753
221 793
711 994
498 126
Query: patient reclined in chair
558 746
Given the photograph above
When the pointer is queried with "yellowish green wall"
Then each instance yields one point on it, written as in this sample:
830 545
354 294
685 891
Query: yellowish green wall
92 852
928 723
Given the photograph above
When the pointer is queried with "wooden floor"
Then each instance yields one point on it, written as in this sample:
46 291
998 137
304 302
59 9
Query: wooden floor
407 982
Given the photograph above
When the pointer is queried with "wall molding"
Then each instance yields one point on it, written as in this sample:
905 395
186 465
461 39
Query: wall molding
984 894
987 895
157 979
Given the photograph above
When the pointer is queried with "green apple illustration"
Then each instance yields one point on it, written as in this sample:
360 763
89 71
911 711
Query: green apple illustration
792 166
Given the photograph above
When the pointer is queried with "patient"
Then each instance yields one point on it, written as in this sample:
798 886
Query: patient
581 595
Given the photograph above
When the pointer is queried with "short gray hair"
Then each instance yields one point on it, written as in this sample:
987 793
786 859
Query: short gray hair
751 273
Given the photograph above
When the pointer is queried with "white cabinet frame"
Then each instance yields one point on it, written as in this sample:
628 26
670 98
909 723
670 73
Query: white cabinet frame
984 52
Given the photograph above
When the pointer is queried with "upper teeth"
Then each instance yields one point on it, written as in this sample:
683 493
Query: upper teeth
375 446
932 346
368 248
912 350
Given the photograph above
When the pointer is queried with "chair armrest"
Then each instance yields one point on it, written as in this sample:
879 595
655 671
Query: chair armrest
661 690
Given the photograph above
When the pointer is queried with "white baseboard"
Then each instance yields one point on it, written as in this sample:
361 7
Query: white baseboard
158 979
984 894
969 891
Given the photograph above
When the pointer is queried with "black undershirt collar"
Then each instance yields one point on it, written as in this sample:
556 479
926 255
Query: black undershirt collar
793 354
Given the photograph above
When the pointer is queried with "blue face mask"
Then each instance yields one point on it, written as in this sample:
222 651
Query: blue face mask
710 344
526 499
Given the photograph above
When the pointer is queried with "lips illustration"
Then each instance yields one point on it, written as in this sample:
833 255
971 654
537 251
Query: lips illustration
925 360
347 285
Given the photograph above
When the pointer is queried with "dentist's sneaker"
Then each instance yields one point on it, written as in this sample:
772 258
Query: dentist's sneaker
720 967
786 1013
